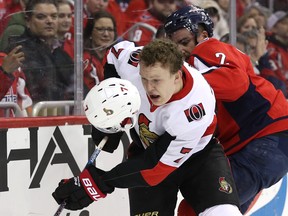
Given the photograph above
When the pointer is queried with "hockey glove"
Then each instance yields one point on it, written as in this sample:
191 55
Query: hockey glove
113 139
80 191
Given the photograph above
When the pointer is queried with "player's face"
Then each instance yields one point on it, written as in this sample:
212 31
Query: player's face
44 20
159 83
185 41
281 29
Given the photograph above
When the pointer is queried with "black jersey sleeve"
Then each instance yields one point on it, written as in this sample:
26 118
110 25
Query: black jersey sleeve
129 173
112 142
110 71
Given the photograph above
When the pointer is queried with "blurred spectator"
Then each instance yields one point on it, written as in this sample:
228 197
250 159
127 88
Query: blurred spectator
93 6
136 7
123 4
153 18
2 9
220 24
15 25
99 34
260 57
64 35
11 7
118 9
246 23
64 20
259 12
12 82
241 42
257 46
275 4
48 69
224 8
277 25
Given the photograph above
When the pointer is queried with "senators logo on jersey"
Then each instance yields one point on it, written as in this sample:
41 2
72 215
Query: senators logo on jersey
146 136
134 58
195 112
225 186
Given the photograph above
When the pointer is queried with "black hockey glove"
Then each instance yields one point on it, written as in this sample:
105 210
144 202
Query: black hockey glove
80 191
113 139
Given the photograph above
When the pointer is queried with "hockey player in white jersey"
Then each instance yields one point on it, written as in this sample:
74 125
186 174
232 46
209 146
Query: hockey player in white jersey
173 145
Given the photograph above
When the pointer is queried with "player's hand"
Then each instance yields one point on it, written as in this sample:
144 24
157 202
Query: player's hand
80 191
113 139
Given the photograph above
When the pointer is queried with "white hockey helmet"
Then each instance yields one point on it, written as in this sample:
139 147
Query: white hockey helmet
112 105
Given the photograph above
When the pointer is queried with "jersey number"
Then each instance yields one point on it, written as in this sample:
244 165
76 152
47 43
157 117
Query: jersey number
221 56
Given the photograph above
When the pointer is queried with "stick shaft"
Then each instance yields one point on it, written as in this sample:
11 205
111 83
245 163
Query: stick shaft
90 161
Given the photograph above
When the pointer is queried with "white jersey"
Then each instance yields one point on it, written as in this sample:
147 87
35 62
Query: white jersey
188 117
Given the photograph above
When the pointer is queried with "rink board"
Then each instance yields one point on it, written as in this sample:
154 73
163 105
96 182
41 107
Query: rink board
36 154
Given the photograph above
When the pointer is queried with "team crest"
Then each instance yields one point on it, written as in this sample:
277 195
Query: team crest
108 111
225 186
195 112
146 136
134 58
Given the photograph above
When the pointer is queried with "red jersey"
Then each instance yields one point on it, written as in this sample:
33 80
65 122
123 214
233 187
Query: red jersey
13 89
248 106
119 15
143 35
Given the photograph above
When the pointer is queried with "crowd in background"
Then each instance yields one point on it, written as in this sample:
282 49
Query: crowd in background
37 41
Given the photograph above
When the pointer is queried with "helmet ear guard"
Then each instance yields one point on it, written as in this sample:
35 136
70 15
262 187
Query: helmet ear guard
189 17
112 105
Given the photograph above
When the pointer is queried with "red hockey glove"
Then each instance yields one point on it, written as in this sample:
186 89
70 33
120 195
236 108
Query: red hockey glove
81 191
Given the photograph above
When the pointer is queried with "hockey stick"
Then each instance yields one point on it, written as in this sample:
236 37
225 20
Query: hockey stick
91 161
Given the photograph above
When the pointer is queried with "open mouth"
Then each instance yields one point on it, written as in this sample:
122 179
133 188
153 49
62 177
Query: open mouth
153 97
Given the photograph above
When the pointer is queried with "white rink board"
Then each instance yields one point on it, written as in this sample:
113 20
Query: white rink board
19 200
38 151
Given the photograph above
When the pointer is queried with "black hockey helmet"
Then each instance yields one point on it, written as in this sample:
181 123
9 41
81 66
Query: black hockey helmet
189 17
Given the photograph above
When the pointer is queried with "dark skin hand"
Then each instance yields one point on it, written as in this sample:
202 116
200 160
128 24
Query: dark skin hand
13 60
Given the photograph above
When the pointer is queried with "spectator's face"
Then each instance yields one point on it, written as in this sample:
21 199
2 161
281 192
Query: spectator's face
281 29
249 25
164 7
44 20
258 16
96 5
64 18
185 41
103 33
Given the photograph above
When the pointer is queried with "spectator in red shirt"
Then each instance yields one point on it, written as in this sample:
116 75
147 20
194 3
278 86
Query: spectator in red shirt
155 16
13 83
277 37
93 6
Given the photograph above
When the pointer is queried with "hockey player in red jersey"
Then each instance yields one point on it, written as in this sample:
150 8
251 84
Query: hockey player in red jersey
252 115
173 145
